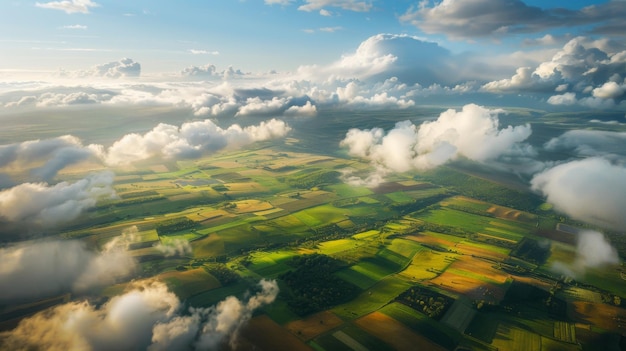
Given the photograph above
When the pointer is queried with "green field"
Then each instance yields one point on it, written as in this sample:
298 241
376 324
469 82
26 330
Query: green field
372 299
257 213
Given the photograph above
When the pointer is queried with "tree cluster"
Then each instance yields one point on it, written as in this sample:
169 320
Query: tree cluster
312 285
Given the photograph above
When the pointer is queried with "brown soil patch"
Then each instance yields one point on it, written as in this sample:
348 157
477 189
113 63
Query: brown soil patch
264 334
314 325
395 333
601 315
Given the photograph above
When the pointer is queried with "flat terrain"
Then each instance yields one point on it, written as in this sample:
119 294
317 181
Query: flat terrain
265 212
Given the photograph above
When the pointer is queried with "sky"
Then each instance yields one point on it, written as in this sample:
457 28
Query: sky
281 35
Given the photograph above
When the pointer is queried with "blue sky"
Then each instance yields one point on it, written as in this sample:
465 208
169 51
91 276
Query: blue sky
249 34
390 54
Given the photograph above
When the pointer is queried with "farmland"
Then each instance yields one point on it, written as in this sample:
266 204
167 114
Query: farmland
432 260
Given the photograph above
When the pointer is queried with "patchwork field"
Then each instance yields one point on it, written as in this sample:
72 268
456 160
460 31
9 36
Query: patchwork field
269 213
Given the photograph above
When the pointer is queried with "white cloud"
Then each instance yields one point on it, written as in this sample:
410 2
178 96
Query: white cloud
593 250
176 247
125 67
566 99
75 26
190 140
472 132
581 68
278 2
257 106
203 52
609 90
586 143
48 205
44 158
307 109
383 56
591 190
45 268
69 6
148 317
352 5
210 71
325 13
330 29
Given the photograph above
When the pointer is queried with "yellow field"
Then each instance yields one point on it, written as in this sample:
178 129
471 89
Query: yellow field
427 264
471 287
395 333
370 234
483 268
314 325
245 187
334 246
247 206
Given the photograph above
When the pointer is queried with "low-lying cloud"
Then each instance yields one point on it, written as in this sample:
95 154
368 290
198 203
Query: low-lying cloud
473 133
588 143
591 190
176 247
147 317
45 268
124 68
44 205
190 140
44 158
593 250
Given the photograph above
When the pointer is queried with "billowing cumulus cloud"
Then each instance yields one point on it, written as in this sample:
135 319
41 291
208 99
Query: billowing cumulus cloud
461 19
585 72
41 204
591 190
306 110
125 67
190 140
45 268
593 250
383 56
472 132
257 106
209 71
69 6
147 317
